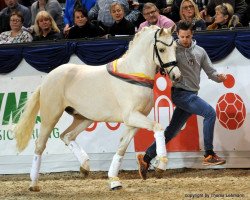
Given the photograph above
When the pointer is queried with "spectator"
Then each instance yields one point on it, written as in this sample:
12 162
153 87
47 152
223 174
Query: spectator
70 6
239 7
16 34
224 17
45 27
5 14
153 17
53 7
121 26
83 28
101 12
189 12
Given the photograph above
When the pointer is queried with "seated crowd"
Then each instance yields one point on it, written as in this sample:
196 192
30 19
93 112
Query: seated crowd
39 20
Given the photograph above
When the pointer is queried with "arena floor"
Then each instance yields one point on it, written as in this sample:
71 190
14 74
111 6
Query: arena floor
175 184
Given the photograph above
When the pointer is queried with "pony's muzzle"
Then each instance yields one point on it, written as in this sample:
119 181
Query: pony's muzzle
175 74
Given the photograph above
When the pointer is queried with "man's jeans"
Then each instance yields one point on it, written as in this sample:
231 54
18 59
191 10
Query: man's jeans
188 103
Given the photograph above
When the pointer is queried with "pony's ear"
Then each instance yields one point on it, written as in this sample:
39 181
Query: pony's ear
161 31
171 29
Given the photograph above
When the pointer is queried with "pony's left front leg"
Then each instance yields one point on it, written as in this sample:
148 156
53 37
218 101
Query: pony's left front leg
139 120
128 134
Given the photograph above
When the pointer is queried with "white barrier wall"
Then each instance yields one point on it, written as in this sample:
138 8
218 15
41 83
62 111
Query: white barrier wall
232 129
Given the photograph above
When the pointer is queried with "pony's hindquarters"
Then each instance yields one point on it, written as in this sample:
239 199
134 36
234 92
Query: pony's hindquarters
24 128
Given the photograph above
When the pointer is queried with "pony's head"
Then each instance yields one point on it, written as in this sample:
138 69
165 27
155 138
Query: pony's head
165 53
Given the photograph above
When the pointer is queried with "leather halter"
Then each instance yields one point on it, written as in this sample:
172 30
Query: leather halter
163 65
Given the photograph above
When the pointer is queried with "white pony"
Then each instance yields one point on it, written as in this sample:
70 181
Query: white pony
122 93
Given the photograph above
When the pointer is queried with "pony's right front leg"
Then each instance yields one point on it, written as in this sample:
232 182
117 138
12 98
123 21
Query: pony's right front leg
139 120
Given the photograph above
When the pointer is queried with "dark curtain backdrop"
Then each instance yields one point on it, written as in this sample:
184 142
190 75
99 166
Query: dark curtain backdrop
46 56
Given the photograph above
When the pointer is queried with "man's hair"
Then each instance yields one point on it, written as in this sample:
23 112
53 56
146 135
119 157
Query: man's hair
148 6
184 25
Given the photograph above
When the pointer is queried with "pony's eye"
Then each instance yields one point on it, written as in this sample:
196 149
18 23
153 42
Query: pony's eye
162 50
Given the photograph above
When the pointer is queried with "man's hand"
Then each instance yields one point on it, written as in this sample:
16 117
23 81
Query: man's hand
222 77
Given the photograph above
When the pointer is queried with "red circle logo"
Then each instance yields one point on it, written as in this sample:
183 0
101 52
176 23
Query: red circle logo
231 111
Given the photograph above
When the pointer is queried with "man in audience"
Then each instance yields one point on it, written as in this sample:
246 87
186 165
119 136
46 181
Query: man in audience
153 17
5 14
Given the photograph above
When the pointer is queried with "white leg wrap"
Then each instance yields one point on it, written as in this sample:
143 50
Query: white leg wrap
79 153
115 166
36 163
160 144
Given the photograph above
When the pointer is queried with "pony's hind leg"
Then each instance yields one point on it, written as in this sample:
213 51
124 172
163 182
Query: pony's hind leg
78 125
127 136
41 141
49 117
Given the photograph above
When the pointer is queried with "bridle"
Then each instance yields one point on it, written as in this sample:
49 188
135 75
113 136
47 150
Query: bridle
163 65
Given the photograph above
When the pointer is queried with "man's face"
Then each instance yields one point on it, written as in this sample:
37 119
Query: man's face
185 37
10 3
151 15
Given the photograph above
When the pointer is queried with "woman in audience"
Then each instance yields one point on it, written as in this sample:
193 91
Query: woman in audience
70 6
189 11
16 34
53 7
83 28
121 26
224 17
45 27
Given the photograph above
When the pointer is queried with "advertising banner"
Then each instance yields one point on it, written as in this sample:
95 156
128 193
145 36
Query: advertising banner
231 138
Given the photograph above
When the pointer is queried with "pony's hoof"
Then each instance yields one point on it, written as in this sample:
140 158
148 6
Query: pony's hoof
115 183
84 172
84 168
116 188
159 173
34 189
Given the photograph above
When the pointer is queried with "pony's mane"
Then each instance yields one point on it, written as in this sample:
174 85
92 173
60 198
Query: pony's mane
139 35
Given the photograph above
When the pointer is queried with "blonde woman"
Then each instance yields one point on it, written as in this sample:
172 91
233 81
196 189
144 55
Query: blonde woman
45 27
189 12
224 17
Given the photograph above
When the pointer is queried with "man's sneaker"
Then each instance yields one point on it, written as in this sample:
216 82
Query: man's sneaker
143 166
213 160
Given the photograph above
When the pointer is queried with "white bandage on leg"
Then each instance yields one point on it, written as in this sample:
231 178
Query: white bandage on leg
36 163
115 165
79 153
160 144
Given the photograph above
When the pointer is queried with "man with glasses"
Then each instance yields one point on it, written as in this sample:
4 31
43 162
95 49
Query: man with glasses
151 14
13 5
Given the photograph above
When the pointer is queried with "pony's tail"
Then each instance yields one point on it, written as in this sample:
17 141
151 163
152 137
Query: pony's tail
24 128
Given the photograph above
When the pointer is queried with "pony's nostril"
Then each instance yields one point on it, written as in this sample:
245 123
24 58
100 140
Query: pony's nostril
177 80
